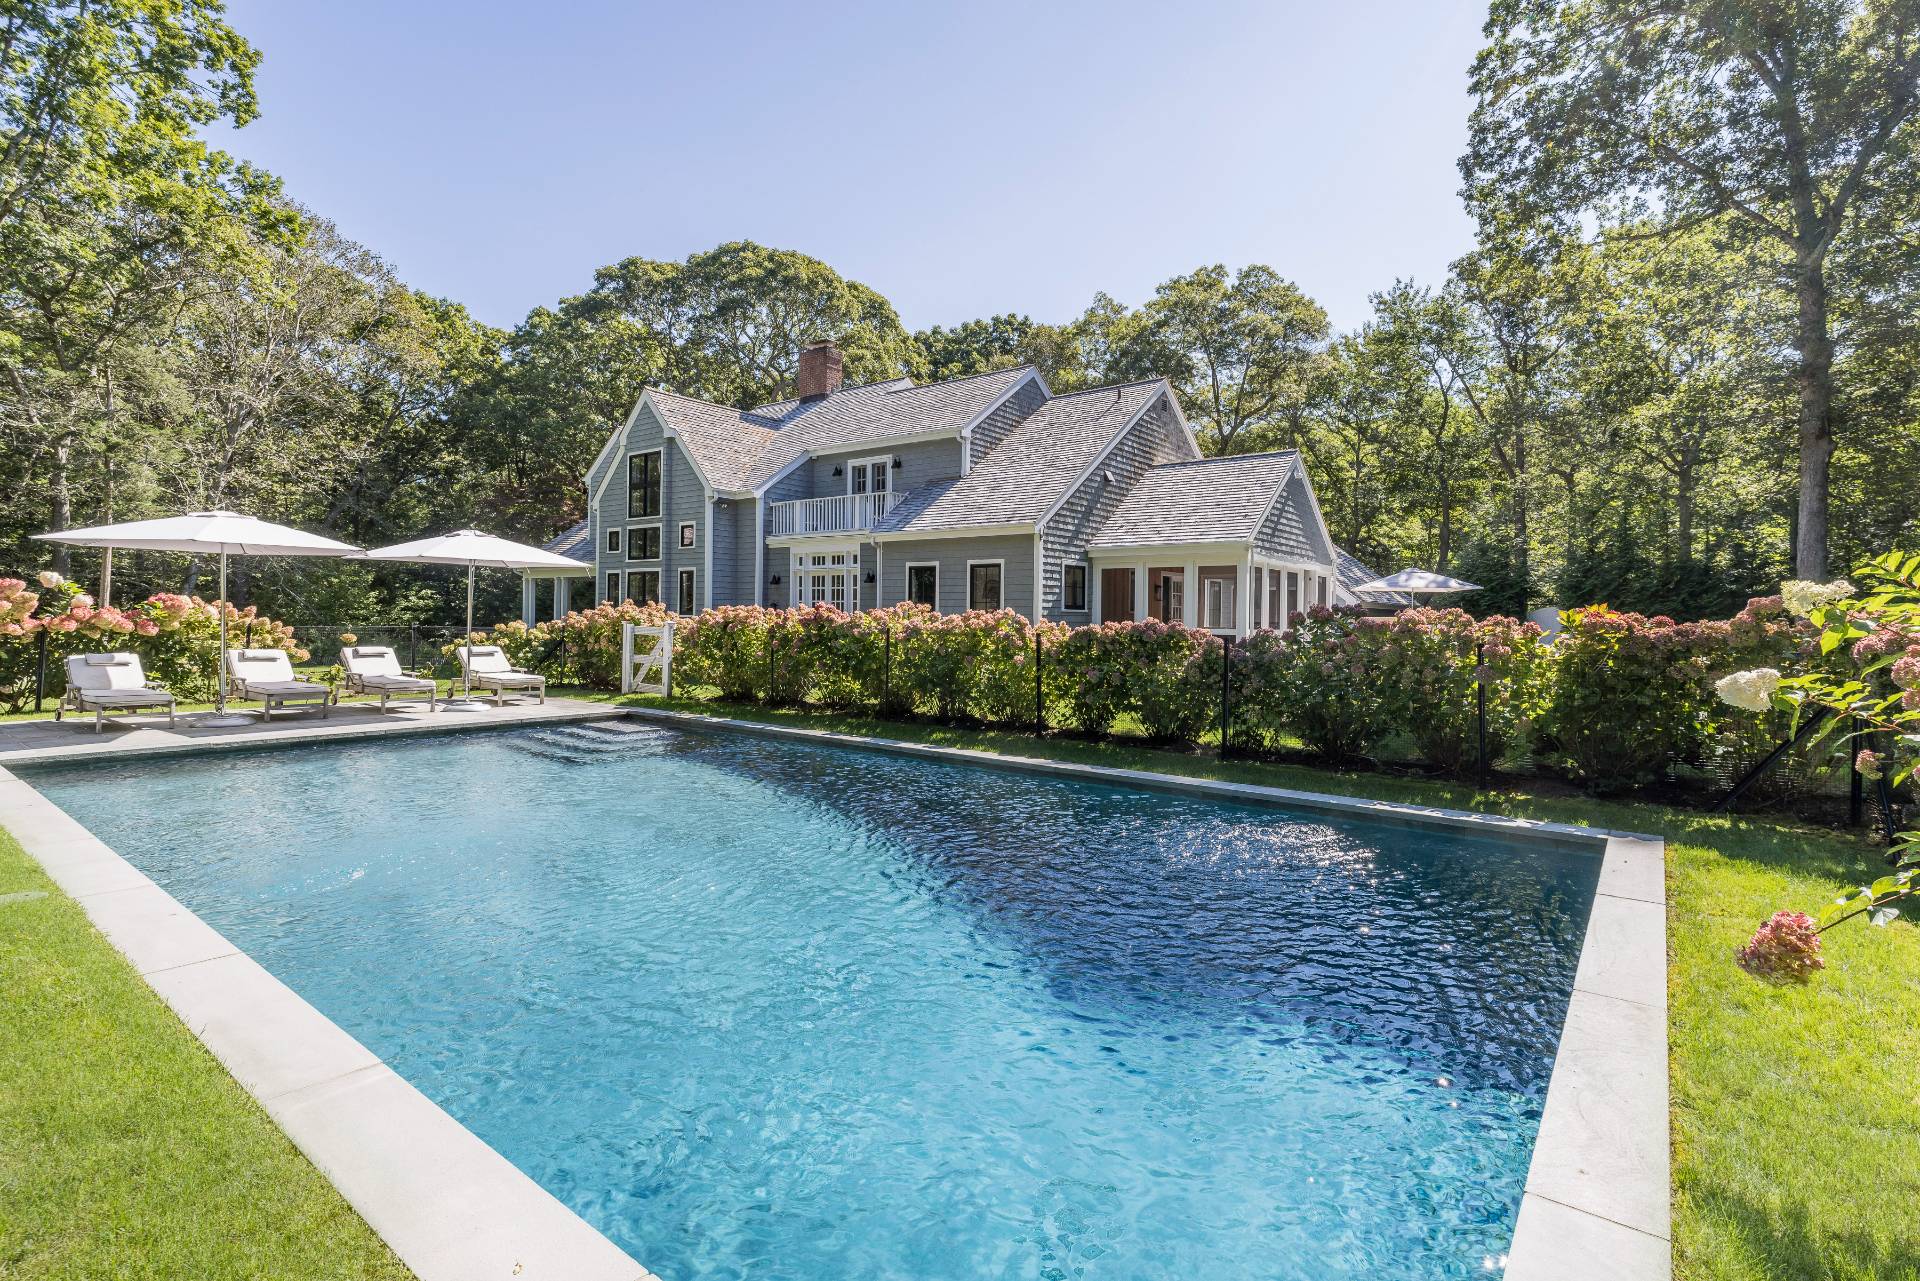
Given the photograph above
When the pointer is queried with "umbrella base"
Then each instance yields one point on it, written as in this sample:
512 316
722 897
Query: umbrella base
465 705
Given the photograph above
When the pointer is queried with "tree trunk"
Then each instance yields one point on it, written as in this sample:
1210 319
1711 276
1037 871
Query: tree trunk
1683 515
60 492
1815 379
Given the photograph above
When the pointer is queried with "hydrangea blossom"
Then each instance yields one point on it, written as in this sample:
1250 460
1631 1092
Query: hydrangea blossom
1750 691
1802 596
1785 949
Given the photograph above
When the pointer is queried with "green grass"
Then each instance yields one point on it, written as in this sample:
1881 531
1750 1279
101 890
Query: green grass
1796 1110
126 1151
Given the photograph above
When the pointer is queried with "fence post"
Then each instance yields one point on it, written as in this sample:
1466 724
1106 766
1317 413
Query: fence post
1884 791
1039 698
1226 695
40 673
1480 704
886 667
769 698
413 647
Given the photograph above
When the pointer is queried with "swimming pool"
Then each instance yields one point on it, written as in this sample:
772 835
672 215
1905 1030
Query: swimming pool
759 1008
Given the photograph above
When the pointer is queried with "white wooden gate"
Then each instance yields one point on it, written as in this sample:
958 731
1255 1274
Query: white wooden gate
646 659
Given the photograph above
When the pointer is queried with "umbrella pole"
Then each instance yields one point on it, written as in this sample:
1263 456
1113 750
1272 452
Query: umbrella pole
220 695
466 668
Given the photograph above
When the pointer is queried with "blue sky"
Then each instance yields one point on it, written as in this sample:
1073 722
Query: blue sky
964 160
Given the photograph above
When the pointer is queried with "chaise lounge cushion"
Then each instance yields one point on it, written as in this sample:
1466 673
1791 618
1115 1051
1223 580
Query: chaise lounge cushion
270 671
376 667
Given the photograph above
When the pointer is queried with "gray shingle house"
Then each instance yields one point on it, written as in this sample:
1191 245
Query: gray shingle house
974 493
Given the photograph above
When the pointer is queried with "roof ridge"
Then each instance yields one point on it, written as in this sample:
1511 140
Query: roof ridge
1293 452
1106 387
984 373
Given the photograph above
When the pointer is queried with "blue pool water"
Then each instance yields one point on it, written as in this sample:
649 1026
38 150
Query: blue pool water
761 1009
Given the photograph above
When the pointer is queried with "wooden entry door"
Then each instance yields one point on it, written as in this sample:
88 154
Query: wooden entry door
1116 595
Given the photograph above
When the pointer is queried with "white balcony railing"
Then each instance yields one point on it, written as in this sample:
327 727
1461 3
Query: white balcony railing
840 514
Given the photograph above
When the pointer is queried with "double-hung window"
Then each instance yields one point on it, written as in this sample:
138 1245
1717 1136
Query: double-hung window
685 603
923 584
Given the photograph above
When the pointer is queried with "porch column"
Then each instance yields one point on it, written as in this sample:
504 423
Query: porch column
1243 606
1140 593
1093 591
562 589
1190 594
526 600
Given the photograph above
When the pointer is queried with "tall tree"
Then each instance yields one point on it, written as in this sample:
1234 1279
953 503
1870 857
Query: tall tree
1785 116
1425 345
1238 347
731 321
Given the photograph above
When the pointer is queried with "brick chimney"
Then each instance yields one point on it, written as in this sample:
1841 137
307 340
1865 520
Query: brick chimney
819 371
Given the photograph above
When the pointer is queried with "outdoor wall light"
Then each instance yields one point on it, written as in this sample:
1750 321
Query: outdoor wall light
869 578
836 471
774 581
896 462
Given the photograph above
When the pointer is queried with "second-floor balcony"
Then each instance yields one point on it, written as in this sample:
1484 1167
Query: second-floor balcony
838 514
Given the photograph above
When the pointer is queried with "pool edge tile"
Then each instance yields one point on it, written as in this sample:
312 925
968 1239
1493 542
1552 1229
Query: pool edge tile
1554 1242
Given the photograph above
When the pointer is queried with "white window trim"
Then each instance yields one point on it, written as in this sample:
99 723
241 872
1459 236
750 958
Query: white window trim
615 598
686 583
633 542
680 531
906 580
1086 587
886 467
634 596
613 542
1002 564
628 480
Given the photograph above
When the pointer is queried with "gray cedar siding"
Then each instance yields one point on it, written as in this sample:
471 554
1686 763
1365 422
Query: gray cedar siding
952 555
1290 532
1154 440
921 461
994 427
734 537
682 498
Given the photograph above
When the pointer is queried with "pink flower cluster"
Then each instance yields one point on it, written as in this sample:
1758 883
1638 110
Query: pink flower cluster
1784 949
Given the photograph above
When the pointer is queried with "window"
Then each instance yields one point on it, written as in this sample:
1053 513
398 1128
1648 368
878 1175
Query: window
643 542
613 588
1294 602
1322 592
826 578
686 591
1218 599
643 485
868 476
613 540
923 585
686 533
1073 586
983 584
643 586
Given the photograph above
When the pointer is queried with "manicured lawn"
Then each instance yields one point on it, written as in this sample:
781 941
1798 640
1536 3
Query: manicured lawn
126 1151
1796 1111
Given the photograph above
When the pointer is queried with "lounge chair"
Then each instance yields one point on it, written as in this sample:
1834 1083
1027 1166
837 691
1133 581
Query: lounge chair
375 669
267 674
102 683
487 667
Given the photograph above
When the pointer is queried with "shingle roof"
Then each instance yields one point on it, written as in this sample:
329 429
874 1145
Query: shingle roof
1211 500
575 542
1032 467
742 449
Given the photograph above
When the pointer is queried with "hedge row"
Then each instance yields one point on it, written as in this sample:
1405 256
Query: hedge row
1614 700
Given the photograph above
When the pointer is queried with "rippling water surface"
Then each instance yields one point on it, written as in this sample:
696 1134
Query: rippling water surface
758 1009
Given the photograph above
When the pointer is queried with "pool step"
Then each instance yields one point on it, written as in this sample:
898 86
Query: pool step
584 744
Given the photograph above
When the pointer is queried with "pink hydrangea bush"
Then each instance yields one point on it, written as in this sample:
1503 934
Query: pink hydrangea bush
1437 661
1785 949
1329 683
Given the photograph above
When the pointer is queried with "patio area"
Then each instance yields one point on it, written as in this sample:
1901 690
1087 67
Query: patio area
75 739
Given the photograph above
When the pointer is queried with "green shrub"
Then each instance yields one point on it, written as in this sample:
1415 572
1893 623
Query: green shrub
1435 661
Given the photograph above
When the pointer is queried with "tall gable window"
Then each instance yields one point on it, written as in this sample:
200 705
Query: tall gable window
643 485
1073 586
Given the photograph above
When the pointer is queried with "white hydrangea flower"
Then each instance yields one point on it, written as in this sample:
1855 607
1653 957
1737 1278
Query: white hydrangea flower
1750 691
48 578
1802 597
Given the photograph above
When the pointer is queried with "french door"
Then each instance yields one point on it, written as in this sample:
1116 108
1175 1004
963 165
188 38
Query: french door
827 578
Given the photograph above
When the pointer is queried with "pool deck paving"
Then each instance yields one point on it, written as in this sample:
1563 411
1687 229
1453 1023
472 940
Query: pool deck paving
1596 1200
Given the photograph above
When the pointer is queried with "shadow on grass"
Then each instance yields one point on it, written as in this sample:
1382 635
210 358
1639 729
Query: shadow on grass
1783 1240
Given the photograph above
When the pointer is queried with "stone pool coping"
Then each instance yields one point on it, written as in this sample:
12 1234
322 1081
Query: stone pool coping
1596 1201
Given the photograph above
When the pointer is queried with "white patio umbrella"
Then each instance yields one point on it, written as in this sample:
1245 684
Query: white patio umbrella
1418 582
475 550
208 534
